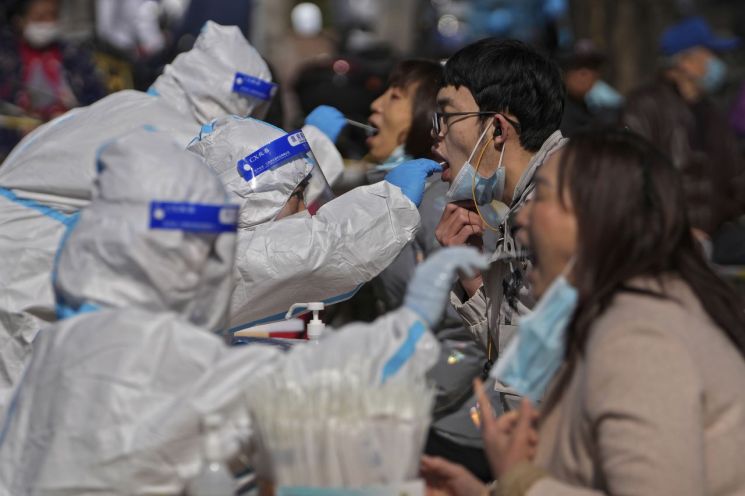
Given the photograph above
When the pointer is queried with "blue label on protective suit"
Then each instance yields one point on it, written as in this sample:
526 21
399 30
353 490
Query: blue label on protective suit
272 155
253 86
193 217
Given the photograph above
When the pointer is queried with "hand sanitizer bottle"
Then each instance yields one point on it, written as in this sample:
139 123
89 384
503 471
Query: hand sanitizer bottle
214 479
316 325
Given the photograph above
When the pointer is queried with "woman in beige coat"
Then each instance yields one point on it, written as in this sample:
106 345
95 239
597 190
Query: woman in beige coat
650 396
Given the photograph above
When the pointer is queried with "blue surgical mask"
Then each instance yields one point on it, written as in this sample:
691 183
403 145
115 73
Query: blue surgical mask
536 353
469 185
603 96
715 76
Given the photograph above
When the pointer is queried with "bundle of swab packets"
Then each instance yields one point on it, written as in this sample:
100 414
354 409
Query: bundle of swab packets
341 428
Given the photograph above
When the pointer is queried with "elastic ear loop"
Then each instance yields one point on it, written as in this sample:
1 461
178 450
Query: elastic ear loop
567 270
473 185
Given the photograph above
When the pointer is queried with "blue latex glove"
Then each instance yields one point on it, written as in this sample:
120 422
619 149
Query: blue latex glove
328 119
429 289
412 176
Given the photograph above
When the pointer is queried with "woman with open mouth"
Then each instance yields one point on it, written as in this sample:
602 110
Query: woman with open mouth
402 115
636 349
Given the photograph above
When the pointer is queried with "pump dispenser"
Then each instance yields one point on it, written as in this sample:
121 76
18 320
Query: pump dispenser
316 325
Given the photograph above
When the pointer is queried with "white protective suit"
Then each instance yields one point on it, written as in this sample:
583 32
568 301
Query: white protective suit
113 397
301 258
48 177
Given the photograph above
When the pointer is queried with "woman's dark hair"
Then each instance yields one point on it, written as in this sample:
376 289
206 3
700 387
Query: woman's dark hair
631 221
426 75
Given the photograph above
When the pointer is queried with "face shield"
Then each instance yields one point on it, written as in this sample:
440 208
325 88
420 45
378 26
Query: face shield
256 91
255 168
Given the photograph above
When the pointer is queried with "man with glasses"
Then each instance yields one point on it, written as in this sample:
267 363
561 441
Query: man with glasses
498 115
499 110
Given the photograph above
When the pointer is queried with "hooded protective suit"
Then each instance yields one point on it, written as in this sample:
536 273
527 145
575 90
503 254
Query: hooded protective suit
112 399
48 177
324 257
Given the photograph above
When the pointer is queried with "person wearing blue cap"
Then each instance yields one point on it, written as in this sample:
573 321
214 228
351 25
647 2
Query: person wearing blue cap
676 114
693 46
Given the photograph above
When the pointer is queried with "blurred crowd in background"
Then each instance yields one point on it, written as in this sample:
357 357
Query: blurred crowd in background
368 77
59 54
335 52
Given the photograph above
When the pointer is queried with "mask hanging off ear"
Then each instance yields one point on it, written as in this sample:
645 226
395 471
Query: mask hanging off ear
533 357
468 185
494 212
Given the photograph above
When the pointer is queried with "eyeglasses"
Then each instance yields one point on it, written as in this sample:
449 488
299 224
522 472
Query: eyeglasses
440 123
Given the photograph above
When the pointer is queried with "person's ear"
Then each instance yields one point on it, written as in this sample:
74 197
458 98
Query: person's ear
502 130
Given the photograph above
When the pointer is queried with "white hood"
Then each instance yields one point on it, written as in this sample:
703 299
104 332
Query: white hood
113 258
224 142
200 82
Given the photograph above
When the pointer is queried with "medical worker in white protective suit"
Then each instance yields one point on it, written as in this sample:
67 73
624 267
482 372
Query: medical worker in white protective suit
113 397
303 257
47 178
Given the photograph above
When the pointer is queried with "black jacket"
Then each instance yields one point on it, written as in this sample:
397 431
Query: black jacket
698 139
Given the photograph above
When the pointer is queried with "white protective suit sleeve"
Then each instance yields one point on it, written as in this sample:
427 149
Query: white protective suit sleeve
325 429
394 346
326 257
112 401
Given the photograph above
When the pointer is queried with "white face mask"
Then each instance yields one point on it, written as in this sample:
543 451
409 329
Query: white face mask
41 34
